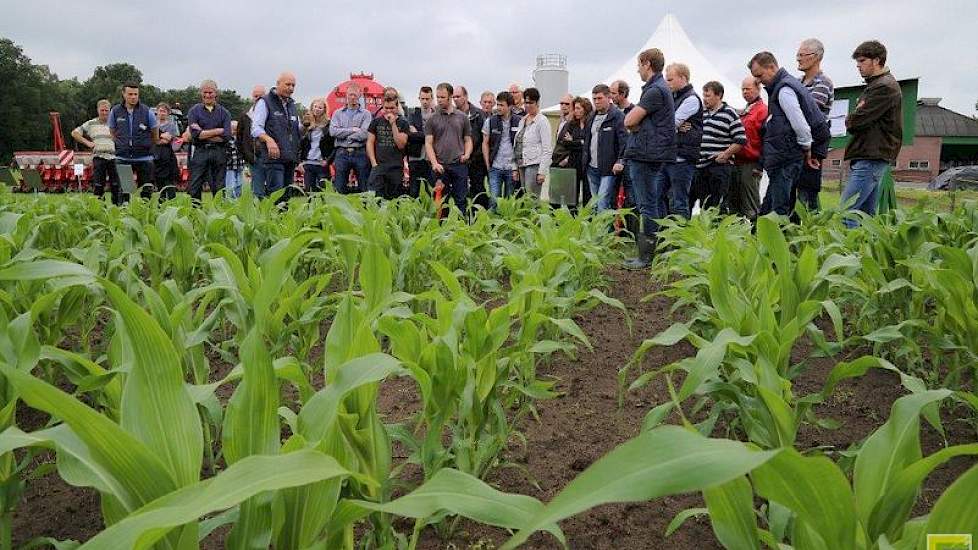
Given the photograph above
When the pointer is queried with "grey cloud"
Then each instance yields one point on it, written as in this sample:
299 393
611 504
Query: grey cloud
480 45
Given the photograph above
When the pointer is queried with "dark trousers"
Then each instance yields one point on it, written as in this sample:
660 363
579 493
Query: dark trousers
386 181
673 183
349 160
456 182
279 175
207 165
583 185
743 196
781 180
807 190
710 185
420 170
103 170
313 175
167 171
258 179
145 172
477 183
644 176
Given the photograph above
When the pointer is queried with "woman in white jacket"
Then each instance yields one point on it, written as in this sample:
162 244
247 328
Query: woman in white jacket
533 146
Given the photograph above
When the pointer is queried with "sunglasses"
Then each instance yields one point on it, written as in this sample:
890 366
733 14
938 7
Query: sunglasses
564 103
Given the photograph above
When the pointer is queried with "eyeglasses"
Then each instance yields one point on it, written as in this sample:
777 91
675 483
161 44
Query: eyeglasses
564 103
803 55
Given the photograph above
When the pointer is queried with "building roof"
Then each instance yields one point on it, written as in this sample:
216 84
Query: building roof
934 120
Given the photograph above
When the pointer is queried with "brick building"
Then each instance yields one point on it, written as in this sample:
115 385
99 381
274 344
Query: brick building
934 138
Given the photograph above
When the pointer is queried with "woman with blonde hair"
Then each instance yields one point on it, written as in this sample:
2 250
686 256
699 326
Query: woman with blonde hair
316 146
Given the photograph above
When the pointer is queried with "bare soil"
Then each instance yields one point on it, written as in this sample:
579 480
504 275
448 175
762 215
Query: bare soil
572 431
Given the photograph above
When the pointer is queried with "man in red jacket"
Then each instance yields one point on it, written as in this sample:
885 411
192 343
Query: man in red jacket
744 196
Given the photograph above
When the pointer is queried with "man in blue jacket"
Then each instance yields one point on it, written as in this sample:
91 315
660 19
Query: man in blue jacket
604 146
796 132
135 130
652 145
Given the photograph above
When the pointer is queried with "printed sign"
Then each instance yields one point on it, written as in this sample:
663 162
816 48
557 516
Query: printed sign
949 542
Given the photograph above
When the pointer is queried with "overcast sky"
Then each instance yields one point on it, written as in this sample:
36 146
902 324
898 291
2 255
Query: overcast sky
483 45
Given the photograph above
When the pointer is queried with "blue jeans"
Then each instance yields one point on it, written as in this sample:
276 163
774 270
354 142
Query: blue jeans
864 184
673 182
347 161
258 179
781 179
313 175
278 176
644 176
500 184
456 181
602 187
232 183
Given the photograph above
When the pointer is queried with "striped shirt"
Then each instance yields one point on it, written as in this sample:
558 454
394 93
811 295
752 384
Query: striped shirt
721 129
822 91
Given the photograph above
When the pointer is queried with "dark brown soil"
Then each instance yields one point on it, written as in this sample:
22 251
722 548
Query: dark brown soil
573 431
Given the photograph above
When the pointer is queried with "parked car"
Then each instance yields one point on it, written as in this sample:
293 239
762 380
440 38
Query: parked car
959 177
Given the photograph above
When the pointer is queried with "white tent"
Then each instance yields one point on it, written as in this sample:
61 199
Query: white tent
670 37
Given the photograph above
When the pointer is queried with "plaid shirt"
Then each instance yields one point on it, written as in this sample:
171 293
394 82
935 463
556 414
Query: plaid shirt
235 160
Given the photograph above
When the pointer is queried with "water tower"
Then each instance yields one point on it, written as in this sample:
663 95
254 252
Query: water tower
551 78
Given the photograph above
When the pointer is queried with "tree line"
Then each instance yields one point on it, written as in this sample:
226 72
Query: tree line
28 92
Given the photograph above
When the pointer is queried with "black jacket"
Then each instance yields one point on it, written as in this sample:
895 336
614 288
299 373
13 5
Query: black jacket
612 141
246 143
572 149
876 126
476 118
326 145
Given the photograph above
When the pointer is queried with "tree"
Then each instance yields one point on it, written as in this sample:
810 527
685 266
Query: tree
31 91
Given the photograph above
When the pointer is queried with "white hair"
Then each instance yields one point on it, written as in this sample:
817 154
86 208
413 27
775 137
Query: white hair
815 46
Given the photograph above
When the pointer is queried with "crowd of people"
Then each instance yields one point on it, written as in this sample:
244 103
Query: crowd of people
674 148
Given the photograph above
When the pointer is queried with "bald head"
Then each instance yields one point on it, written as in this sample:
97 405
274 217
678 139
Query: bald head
257 93
285 84
750 89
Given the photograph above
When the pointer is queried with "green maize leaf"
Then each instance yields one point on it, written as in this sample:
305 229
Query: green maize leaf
781 413
665 461
276 265
75 463
251 427
319 415
729 307
890 449
569 326
465 495
139 473
669 337
251 422
682 517
46 269
816 491
892 332
708 360
893 509
770 236
156 406
955 512
48 542
18 342
731 508
241 481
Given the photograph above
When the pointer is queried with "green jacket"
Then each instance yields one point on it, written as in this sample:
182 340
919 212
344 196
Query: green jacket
876 125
